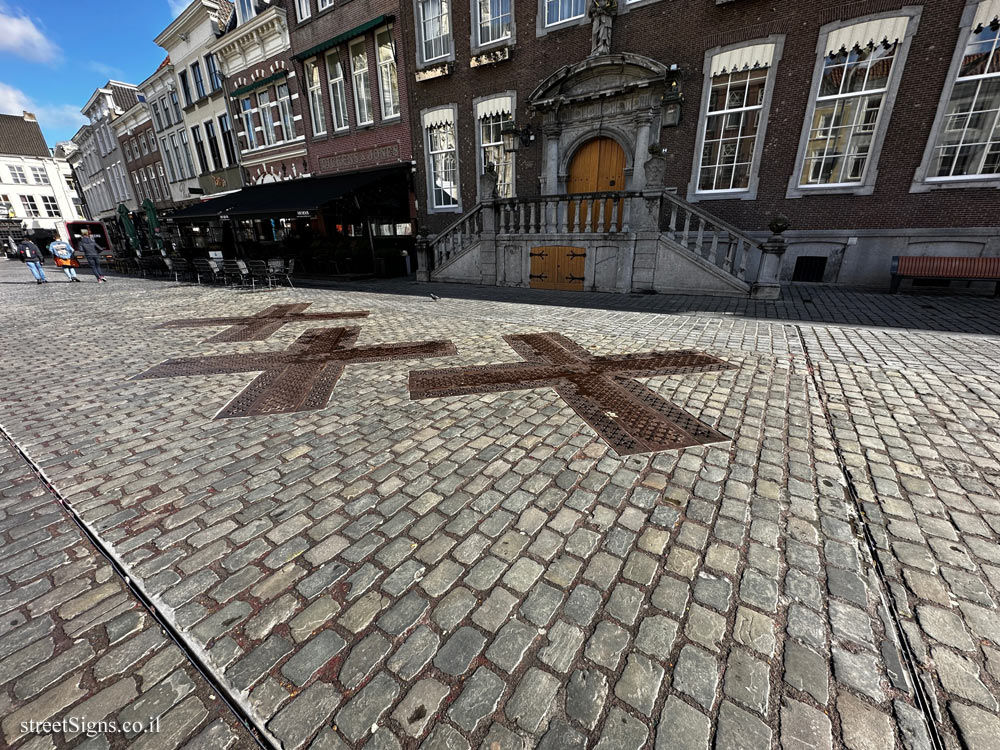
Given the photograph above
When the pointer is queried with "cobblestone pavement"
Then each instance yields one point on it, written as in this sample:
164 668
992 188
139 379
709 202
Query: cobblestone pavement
483 571
77 646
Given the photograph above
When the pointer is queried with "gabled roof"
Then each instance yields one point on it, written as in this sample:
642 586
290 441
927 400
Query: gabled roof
22 136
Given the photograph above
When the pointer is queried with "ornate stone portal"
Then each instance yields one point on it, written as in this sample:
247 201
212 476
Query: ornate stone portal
617 96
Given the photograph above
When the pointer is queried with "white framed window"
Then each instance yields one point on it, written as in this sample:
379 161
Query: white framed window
138 185
434 17
162 180
166 112
50 205
39 176
303 9
17 175
442 159
847 107
144 194
151 174
266 118
731 129
157 118
214 79
285 111
324 4
495 21
492 116
247 108
152 142
560 11
143 145
187 152
128 150
857 72
199 81
387 80
213 144
175 146
199 148
165 150
338 94
361 83
967 143
30 207
314 90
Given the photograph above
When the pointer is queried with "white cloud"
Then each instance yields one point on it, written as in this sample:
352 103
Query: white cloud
56 116
108 71
19 36
177 6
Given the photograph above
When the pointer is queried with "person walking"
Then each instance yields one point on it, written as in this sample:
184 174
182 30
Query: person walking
92 252
29 254
62 253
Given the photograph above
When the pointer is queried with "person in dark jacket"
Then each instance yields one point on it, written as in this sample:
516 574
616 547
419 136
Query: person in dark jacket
31 256
92 252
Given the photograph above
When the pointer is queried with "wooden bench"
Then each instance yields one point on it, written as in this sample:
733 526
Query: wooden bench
929 267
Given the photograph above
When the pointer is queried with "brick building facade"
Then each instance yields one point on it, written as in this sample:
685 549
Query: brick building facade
137 140
844 117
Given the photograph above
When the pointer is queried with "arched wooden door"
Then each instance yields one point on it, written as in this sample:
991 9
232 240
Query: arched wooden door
598 166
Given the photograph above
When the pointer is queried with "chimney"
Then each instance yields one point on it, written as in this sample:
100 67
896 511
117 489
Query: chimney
29 116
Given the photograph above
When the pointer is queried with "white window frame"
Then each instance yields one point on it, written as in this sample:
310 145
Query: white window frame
338 92
314 94
361 84
284 97
923 181
866 186
17 175
30 207
322 5
753 49
387 75
575 18
212 138
246 112
443 18
165 150
482 15
303 10
508 108
40 176
187 153
268 135
245 10
441 117
51 206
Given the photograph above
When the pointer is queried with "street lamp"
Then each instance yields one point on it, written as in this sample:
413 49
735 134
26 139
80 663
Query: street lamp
513 138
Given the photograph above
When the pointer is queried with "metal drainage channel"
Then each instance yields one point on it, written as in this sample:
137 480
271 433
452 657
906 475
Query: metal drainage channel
909 659
199 665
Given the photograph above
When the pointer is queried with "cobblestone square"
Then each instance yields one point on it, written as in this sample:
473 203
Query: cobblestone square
481 568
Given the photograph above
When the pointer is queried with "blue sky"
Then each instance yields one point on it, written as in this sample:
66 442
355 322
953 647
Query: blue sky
53 54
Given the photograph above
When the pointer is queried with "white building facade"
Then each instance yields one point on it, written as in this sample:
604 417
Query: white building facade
33 183
205 154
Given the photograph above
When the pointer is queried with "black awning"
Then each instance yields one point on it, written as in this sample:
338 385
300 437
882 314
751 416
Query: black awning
289 198
340 38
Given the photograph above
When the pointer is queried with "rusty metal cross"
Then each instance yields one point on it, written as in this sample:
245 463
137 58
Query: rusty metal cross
601 390
259 326
300 378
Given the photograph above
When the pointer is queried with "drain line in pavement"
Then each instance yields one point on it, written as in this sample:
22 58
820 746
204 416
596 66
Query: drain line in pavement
193 658
909 659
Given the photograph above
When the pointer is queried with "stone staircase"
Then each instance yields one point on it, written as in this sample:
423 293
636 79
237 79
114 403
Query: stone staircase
635 242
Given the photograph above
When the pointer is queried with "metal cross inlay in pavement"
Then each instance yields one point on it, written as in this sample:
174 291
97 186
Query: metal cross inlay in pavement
259 326
300 378
601 390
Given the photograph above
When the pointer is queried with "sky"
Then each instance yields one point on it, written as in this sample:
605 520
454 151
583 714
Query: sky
55 53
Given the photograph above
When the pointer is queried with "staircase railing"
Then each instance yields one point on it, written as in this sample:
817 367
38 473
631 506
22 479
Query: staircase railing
605 212
708 236
458 235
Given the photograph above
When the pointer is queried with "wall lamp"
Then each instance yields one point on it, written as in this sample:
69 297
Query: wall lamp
514 139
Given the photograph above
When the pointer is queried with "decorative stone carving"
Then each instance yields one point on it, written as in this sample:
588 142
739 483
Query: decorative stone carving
602 14
488 182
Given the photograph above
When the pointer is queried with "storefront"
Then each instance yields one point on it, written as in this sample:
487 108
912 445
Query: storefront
360 223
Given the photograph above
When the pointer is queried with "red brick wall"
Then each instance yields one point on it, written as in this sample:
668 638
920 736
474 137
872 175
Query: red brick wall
144 160
357 148
680 32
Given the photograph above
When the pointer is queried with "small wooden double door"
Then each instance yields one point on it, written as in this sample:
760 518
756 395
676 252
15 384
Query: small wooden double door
557 267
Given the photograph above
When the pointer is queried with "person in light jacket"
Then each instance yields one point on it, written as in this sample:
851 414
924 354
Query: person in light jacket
63 255
31 256
92 252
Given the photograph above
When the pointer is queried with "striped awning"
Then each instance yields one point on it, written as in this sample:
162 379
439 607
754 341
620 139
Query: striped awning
439 117
498 105
872 32
744 58
986 13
